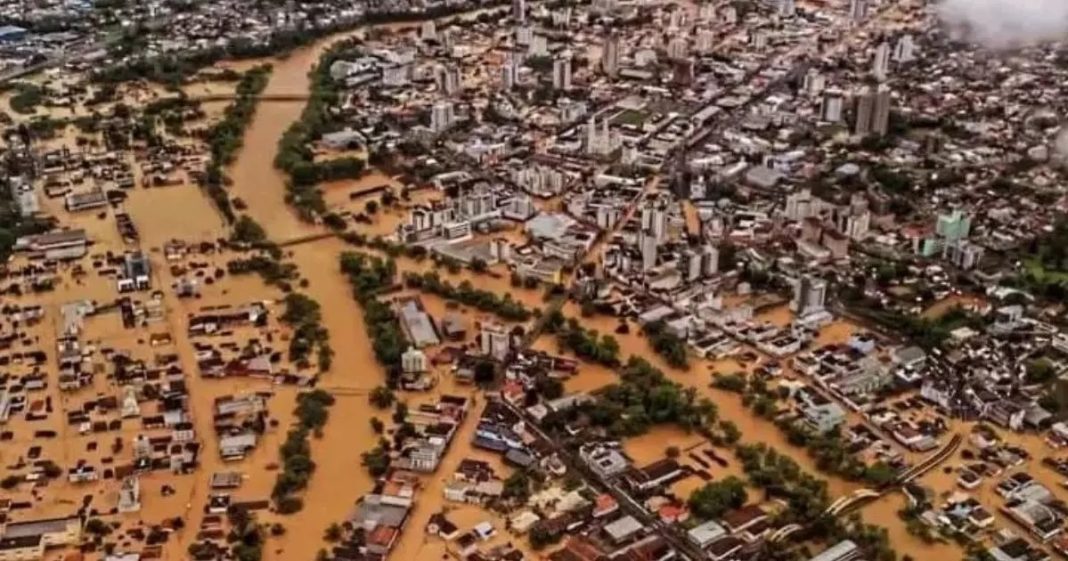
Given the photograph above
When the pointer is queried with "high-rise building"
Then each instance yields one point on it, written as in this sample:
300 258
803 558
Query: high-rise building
441 116
880 63
524 34
858 11
678 47
519 11
428 31
873 111
648 247
787 8
881 117
509 73
831 106
610 56
705 41
709 260
600 139
954 226
810 294
904 49
494 340
539 46
447 78
562 72
813 82
689 265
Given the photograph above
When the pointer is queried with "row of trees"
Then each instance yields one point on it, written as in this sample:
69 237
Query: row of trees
303 314
368 276
312 413
225 137
667 344
295 156
585 344
465 293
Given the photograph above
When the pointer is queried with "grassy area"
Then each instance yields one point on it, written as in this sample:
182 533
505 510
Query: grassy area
629 117
1040 273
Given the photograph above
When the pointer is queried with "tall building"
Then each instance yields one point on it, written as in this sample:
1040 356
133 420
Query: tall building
880 63
873 111
810 294
954 226
678 47
441 116
904 49
705 41
519 11
648 247
858 11
562 72
610 56
881 118
447 77
832 105
689 265
813 82
600 140
539 45
710 260
428 31
509 73
787 8
494 340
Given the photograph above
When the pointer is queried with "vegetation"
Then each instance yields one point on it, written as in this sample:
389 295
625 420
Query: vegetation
27 97
312 413
713 500
644 397
248 231
667 344
377 459
294 153
465 293
585 344
369 275
303 314
225 138
925 332
382 397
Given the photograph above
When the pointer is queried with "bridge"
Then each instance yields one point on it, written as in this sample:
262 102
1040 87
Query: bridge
861 497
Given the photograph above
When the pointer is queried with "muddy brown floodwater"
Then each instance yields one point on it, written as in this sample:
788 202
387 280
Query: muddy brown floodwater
339 479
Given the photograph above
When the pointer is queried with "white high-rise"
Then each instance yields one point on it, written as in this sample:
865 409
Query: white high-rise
519 11
858 11
509 73
905 49
610 56
831 106
810 294
880 64
441 116
562 72
787 8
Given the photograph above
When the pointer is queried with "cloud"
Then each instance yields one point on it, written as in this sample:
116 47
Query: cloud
1002 24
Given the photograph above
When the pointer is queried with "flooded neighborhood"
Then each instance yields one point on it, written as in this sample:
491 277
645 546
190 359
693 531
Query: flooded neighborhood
576 281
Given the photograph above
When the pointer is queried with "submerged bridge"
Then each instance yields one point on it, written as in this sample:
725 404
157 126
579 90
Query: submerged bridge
862 497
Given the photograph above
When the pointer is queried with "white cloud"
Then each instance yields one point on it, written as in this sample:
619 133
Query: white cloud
1007 23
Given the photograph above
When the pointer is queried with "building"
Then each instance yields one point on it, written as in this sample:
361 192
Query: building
810 294
872 114
562 72
904 49
954 226
610 56
845 550
25 548
519 11
858 11
494 340
880 64
441 116
832 105
413 361
823 418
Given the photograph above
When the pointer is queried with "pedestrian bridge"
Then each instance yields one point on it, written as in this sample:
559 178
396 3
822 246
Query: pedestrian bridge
857 499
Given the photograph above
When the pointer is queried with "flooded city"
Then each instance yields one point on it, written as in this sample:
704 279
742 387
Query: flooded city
351 281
